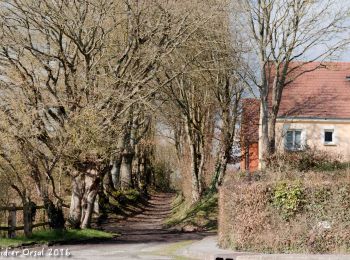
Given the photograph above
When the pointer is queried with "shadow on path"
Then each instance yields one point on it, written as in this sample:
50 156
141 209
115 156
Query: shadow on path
148 226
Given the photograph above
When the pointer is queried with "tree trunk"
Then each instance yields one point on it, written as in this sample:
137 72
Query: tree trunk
142 180
272 134
126 172
196 192
222 171
107 183
115 173
201 164
263 134
196 161
220 168
75 211
28 217
277 89
92 184
85 186
227 139
54 214
128 151
89 206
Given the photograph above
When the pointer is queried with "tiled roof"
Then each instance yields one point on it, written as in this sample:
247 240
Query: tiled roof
321 93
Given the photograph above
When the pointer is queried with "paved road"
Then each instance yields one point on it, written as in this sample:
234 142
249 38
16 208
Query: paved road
152 250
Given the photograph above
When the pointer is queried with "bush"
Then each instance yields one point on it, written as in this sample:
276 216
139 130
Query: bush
306 160
295 213
162 174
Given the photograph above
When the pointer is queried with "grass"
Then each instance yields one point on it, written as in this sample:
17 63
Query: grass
120 201
172 250
202 214
51 236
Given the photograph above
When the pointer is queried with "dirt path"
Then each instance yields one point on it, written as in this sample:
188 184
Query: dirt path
143 236
148 226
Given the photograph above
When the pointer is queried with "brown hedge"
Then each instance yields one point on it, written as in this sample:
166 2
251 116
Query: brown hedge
249 220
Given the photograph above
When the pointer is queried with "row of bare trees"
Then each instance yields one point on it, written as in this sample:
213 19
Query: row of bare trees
205 98
77 83
81 82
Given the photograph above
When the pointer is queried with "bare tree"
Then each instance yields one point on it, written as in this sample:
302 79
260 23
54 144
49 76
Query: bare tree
224 66
205 87
135 130
229 92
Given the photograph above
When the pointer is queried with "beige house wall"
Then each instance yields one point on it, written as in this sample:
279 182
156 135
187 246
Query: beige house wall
313 134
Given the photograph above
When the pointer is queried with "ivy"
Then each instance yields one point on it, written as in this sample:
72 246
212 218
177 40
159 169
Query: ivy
288 198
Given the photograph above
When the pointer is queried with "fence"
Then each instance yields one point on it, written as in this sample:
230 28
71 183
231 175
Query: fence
28 224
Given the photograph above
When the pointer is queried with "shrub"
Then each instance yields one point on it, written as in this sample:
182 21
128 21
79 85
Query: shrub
162 174
299 213
306 160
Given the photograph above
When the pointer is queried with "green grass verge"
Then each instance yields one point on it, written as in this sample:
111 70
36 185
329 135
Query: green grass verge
172 250
202 214
118 201
46 236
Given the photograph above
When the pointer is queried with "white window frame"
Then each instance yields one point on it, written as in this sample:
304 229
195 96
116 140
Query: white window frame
324 136
301 140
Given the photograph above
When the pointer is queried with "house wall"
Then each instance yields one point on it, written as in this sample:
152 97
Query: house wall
313 135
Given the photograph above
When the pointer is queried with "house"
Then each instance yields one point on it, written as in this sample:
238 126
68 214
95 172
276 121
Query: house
314 112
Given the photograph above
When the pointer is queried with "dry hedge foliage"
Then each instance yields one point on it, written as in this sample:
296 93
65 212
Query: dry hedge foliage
293 212
306 160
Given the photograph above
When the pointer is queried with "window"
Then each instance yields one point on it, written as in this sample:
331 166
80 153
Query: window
328 136
293 140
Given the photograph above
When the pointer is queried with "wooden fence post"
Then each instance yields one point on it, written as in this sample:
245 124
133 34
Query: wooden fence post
12 221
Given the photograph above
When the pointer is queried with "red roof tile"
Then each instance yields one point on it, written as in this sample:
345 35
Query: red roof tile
322 93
